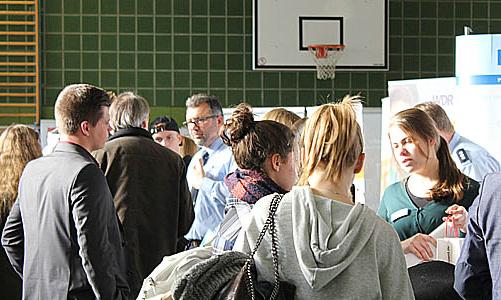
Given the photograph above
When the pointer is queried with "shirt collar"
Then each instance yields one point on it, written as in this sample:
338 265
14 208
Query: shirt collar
215 146
454 140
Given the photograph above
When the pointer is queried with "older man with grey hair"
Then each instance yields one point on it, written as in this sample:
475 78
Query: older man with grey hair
149 187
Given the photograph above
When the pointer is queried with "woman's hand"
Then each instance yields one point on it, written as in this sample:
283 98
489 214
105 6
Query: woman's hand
458 215
420 245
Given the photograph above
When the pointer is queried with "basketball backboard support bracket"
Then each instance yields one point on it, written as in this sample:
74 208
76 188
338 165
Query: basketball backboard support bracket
283 29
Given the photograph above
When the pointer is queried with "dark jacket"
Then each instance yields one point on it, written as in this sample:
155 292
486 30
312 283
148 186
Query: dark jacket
481 253
10 283
62 234
151 198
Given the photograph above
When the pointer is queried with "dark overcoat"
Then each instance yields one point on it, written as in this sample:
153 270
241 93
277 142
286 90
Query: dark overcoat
151 196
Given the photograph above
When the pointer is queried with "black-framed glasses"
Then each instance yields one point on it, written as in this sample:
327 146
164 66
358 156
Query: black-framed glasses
198 121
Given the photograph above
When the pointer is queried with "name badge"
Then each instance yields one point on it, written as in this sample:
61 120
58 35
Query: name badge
404 212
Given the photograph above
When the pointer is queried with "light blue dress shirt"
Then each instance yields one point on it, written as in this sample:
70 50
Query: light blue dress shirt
471 159
211 197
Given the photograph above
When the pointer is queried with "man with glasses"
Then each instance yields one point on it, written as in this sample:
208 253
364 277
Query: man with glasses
205 174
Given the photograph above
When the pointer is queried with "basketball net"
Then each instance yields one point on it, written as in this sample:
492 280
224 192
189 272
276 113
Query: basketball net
326 57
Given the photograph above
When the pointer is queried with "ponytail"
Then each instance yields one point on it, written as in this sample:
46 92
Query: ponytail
451 180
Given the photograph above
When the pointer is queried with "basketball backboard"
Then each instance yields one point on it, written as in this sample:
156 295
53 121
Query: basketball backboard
283 29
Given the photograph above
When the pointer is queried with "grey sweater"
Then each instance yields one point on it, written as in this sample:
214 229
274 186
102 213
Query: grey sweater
328 249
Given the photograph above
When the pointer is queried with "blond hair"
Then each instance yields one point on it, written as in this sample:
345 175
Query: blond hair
281 115
18 145
332 139
188 147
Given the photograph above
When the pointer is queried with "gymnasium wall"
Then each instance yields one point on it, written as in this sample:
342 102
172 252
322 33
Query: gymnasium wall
168 49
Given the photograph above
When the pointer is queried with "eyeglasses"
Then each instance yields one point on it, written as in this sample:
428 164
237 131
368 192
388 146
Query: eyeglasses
199 121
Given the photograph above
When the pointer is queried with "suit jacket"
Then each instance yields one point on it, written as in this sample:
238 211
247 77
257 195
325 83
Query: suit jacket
478 269
151 196
10 283
62 235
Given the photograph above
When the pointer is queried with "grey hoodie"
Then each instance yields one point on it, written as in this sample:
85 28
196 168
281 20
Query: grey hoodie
328 249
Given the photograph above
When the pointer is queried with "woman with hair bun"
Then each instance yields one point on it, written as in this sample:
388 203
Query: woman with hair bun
18 145
263 151
328 247
434 188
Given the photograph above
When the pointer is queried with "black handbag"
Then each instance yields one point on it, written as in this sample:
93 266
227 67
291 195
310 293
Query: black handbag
232 275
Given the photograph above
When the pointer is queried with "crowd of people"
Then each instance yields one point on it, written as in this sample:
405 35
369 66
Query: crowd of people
94 216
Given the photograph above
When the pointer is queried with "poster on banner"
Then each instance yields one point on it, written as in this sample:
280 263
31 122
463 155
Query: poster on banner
259 112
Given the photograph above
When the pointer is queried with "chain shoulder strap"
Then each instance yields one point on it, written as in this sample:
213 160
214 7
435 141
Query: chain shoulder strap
269 224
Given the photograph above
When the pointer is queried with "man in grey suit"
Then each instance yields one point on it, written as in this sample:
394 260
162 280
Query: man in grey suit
62 235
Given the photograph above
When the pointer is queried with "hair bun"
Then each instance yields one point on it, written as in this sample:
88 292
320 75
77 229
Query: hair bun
239 124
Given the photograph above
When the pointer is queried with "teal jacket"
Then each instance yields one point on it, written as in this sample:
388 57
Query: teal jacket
399 210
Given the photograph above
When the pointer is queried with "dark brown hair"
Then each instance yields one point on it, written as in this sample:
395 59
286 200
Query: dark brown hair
252 141
418 124
77 103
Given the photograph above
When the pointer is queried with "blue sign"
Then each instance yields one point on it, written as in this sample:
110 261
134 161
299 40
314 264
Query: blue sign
479 79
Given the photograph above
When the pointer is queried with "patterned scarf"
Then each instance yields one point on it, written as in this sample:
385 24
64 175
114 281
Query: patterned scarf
251 185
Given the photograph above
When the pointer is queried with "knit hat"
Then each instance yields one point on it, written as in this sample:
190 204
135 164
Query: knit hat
163 123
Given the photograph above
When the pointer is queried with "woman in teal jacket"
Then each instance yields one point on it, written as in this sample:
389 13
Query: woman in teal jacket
434 189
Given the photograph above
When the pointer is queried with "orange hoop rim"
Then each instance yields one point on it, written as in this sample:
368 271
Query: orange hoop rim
322 50
327 46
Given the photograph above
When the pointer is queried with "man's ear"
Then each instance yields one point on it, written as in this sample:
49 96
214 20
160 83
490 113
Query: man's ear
180 139
220 120
144 124
85 128
360 163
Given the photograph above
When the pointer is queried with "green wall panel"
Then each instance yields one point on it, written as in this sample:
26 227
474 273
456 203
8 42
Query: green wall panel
170 49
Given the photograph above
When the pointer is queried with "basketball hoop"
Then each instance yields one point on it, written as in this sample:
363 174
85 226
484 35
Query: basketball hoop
326 57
